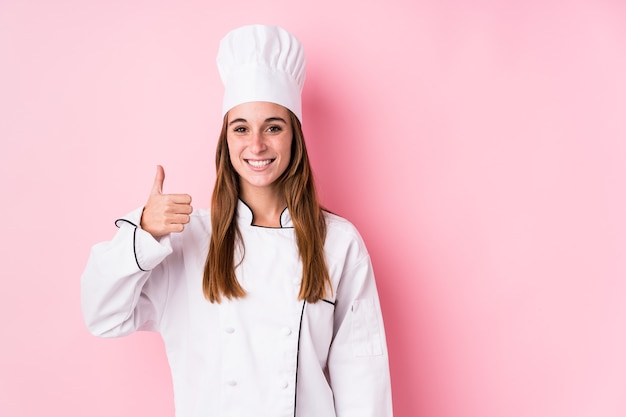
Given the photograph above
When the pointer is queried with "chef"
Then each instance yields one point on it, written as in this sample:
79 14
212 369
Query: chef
266 303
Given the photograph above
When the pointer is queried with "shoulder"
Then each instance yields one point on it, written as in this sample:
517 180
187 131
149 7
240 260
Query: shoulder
198 230
340 225
342 238
201 215
200 219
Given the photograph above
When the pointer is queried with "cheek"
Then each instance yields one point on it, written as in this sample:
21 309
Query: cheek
233 156
232 151
286 150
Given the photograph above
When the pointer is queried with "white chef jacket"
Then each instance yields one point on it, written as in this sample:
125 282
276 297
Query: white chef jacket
267 354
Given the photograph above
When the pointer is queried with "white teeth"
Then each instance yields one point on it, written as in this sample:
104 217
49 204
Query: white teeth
259 164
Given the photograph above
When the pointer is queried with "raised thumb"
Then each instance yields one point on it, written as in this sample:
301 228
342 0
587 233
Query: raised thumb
157 187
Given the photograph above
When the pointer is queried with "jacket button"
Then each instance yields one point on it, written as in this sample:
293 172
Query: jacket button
231 382
229 330
284 384
286 331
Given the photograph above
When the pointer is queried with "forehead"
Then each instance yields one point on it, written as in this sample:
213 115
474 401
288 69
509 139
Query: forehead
258 111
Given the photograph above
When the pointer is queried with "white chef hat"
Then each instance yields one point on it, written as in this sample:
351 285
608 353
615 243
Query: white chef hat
261 63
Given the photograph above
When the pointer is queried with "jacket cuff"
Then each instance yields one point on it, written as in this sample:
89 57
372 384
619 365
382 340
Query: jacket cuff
149 251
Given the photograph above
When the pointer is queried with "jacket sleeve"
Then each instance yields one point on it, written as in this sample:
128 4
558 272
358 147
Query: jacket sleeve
358 363
124 284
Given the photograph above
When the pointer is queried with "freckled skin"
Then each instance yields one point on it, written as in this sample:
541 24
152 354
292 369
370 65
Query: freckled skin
261 132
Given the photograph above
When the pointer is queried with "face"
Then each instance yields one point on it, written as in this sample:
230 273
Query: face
259 136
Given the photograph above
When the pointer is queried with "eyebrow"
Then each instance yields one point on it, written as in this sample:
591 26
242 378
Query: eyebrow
268 120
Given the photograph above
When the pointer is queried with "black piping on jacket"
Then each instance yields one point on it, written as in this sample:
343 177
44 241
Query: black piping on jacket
134 240
295 393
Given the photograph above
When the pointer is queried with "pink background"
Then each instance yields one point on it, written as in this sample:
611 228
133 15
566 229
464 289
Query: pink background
480 148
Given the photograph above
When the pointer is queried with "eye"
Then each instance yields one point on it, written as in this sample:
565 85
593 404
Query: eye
274 129
239 129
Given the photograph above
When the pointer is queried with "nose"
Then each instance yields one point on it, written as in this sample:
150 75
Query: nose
257 143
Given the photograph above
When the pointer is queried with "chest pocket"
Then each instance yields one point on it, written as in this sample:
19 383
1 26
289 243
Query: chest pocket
365 328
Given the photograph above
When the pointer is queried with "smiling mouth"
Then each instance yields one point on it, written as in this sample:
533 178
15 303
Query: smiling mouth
259 163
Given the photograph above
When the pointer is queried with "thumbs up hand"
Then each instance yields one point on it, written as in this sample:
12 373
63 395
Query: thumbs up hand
165 213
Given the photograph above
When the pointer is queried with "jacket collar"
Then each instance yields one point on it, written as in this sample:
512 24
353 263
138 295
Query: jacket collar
245 216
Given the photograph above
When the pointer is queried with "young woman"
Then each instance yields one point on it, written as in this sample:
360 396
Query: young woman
267 304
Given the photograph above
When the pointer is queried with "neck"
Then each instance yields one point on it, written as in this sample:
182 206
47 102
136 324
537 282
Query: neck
266 204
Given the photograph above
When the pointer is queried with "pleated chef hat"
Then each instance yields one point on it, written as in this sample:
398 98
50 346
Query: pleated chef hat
261 63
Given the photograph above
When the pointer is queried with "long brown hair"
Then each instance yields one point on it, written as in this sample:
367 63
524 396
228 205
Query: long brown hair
306 214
